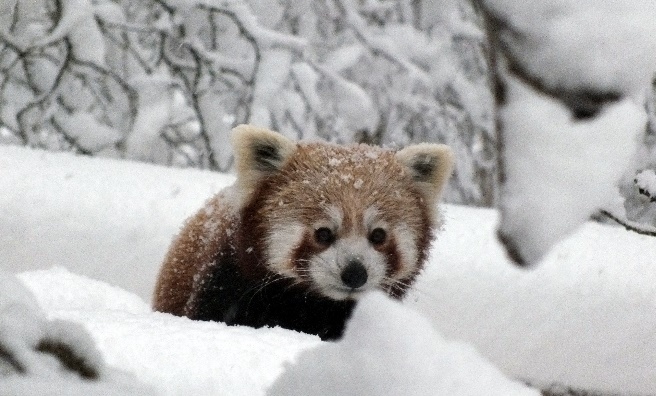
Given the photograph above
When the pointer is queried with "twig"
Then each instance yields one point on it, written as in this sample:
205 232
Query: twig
129 91
195 93
357 25
641 229
54 89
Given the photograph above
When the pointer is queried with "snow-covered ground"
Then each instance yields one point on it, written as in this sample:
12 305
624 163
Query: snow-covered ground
583 318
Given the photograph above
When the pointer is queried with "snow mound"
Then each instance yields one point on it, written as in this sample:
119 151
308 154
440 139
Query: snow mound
50 357
583 318
173 355
106 219
389 349
57 288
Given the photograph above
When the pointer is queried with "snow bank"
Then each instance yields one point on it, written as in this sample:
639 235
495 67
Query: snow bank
584 318
58 288
173 355
107 219
50 357
389 349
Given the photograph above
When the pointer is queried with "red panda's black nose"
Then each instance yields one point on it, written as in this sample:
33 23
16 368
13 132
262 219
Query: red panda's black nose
354 274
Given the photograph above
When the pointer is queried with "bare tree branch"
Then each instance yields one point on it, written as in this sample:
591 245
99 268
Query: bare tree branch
639 228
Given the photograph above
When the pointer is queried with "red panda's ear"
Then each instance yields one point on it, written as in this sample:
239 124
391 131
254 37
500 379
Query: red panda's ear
430 166
259 152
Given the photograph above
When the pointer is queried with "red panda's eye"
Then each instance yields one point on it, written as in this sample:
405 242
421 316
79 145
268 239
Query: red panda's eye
324 236
377 236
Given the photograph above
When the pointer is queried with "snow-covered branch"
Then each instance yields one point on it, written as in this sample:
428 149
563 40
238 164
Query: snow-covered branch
336 69
379 46
569 118
640 228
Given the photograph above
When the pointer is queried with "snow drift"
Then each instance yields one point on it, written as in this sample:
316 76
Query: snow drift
583 319
391 350
51 357
177 356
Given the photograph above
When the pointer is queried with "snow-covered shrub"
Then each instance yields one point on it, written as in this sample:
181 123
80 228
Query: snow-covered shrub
164 81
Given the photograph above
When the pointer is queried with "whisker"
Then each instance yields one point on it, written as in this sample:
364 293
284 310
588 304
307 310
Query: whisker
260 286
387 284
411 287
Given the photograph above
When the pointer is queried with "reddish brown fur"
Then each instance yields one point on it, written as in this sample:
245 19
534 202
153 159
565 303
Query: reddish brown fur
389 187
316 176
200 239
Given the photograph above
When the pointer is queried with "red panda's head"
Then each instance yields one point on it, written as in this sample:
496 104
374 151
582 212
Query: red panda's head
339 219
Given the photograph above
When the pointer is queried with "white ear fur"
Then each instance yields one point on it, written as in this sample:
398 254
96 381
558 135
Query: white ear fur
430 166
258 152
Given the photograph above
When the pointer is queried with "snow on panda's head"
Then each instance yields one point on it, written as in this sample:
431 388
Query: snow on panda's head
340 219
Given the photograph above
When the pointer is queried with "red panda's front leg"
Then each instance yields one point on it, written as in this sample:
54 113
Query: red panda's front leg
195 247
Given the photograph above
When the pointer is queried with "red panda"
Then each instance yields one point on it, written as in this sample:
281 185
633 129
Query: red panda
306 229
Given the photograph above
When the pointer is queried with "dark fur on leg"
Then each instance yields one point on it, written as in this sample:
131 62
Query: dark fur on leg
226 296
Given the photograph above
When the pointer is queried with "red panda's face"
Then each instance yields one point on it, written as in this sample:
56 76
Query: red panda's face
341 254
340 220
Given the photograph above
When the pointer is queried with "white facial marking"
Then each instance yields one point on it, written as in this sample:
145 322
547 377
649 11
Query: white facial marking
326 268
335 216
281 241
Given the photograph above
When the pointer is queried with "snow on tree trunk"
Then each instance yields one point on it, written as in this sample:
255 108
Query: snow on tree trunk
570 79
217 122
154 108
274 69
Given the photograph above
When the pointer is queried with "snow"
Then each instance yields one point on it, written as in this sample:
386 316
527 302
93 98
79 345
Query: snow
583 319
355 106
307 80
154 109
29 362
52 289
598 57
344 57
106 219
272 73
391 350
598 45
90 134
560 171
177 356
646 183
